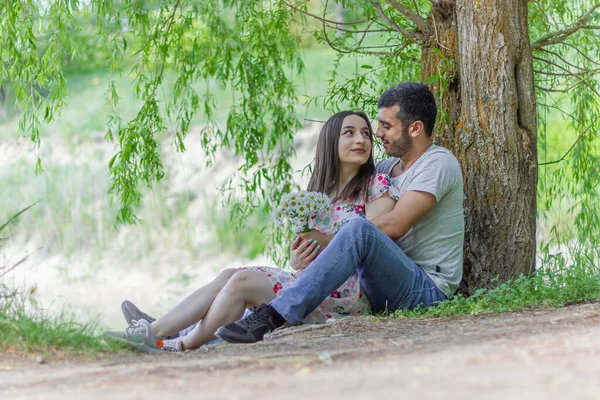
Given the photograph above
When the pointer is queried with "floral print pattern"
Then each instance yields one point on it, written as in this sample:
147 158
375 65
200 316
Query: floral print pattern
348 299
380 184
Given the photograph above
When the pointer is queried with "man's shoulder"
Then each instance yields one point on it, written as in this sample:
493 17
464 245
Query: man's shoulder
438 154
440 163
385 166
439 151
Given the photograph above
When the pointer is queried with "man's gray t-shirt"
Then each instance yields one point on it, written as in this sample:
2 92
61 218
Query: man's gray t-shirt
435 242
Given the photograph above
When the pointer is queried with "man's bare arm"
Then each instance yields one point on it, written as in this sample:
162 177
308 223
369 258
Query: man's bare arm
411 207
377 207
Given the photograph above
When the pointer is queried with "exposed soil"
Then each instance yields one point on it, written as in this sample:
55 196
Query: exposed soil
537 354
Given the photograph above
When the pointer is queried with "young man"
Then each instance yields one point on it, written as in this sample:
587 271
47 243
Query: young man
410 256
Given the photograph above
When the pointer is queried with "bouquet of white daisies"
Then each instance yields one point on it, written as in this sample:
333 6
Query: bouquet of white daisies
298 208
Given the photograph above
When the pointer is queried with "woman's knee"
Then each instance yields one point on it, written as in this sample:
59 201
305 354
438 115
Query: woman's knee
227 273
240 279
244 281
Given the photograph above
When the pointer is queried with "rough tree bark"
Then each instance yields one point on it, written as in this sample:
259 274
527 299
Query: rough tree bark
491 128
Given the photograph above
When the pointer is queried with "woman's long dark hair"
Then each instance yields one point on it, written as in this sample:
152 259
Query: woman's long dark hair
326 170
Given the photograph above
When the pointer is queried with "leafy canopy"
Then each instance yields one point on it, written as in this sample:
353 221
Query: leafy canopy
252 48
249 48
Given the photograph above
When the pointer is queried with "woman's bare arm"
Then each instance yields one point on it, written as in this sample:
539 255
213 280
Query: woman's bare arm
379 206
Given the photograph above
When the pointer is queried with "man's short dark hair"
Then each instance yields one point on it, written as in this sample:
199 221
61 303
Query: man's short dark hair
416 103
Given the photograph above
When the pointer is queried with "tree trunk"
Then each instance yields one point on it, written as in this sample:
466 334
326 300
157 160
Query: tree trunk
489 101
440 58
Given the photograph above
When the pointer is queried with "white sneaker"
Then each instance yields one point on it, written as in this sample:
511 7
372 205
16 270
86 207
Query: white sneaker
132 312
139 335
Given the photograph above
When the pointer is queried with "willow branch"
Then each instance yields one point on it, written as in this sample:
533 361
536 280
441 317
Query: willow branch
562 35
561 58
557 109
359 49
322 19
559 84
364 35
326 37
167 24
572 147
580 81
339 25
568 89
413 36
558 65
552 73
581 53
411 15
360 30
390 54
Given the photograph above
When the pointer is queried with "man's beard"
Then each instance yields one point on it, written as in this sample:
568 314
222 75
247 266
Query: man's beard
401 146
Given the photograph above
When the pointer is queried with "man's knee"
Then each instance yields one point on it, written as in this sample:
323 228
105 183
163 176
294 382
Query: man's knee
357 226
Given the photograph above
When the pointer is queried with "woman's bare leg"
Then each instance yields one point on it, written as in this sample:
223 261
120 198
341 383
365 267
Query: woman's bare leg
193 308
245 288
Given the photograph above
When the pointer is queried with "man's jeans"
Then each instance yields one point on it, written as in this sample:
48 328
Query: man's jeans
390 279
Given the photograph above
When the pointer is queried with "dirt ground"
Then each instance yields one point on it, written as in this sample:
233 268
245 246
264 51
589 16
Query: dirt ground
538 354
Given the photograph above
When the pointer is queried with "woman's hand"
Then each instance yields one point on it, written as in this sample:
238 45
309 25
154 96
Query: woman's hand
315 235
303 253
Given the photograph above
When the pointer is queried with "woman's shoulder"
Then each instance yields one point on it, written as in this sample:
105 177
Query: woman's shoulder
380 179
381 184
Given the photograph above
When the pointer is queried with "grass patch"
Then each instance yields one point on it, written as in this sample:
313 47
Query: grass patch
547 287
29 329
32 331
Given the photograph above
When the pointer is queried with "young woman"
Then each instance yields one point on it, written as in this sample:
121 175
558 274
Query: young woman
344 170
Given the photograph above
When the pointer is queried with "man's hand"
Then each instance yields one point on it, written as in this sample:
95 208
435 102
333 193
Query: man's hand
303 253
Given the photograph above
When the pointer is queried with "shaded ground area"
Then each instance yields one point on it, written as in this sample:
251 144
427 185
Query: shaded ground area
548 354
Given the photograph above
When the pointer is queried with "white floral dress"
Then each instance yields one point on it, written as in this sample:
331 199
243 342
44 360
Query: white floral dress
348 299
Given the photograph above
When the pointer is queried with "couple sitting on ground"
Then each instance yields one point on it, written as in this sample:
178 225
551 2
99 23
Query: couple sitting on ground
393 239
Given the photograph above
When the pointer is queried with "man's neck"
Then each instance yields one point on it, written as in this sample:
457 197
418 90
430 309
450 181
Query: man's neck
409 159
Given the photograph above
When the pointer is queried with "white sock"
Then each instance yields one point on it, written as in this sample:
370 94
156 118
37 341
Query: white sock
172 344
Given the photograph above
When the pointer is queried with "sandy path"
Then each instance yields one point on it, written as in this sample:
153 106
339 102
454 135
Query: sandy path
552 354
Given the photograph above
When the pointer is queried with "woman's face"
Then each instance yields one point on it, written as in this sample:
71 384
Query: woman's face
354 147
